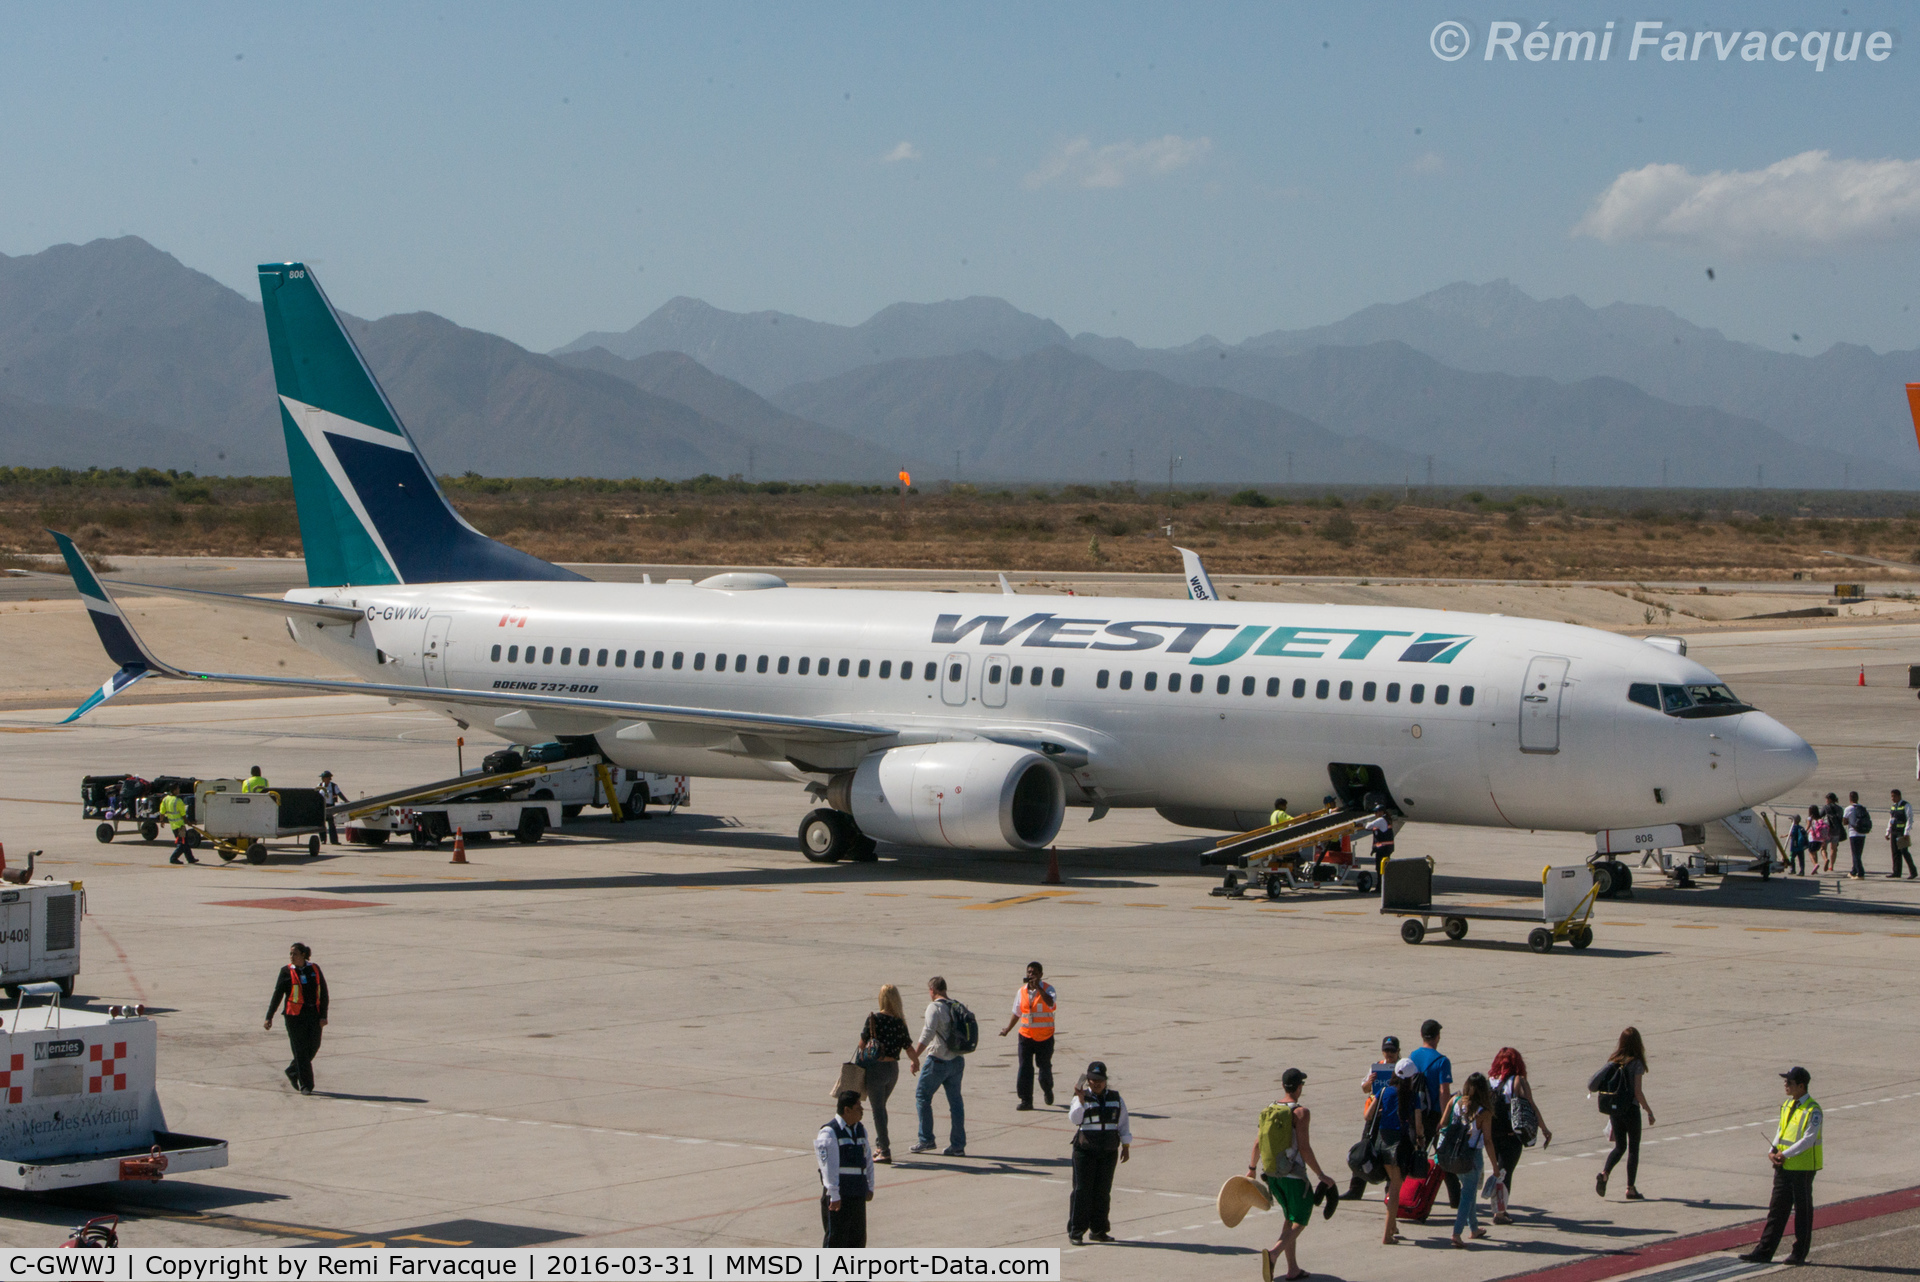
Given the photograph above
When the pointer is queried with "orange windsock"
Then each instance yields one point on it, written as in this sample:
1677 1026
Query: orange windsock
905 479
1913 407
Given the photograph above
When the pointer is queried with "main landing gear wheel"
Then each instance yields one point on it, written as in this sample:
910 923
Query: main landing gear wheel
827 836
104 833
1455 927
864 850
1581 937
1413 930
1540 939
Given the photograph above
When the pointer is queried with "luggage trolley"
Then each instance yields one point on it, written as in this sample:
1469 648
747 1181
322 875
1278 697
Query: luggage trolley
1565 912
241 823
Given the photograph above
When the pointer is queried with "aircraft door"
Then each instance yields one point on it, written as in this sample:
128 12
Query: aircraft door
953 680
1540 704
433 652
993 681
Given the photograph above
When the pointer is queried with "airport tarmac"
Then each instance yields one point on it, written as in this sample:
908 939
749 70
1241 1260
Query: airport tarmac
692 986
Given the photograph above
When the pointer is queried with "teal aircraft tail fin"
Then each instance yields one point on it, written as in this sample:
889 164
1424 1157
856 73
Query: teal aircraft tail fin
370 509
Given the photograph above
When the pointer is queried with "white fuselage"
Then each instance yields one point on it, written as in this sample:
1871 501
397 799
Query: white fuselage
1269 696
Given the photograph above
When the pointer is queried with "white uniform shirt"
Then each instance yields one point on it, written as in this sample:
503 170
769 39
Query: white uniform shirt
826 1152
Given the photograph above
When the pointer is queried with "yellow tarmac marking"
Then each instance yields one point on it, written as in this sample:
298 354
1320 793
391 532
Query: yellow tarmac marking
1768 930
758 890
1033 898
886 894
31 729
1144 905
819 892
1836 932
1684 926
1210 908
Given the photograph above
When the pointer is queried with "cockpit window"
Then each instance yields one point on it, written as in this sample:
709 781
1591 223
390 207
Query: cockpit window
1687 701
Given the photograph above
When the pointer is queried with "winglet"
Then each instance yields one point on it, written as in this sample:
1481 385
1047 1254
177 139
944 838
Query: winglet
122 644
1006 588
1913 407
1199 586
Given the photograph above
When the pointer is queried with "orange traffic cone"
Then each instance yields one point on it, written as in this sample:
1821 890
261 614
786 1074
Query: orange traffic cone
1863 674
1053 867
459 847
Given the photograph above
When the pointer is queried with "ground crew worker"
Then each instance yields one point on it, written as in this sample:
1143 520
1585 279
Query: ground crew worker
1102 1139
1380 828
173 809
331 795
1033 1005
1279 815
845 1156
1796 1158
303 989
256 782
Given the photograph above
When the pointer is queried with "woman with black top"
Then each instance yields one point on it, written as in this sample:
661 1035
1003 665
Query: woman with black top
1624 1119
881 1041
1508 1077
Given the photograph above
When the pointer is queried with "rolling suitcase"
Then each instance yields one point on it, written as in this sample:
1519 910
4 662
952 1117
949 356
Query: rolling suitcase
1418 1192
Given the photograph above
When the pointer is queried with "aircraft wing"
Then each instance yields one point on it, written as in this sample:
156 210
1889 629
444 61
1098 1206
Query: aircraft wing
265 604
1908 566
136 661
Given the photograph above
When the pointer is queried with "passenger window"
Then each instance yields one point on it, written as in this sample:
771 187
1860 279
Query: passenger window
1126 680
548 655
1013 677
1246 685
843 667
1059 677
600 660
1151 680
1466 696
739 663
1346 689
1418 694
1367 692
1100 680
1222 684
866 667
566 655
530 658
700 661
496 654
1645 694
1320 688
1300 688
933 672
1173 683
761 666
953 671
782 667
1393 692
826 668
1273 687
1439 694
886 668
993 675
619 658
806 665
678 657
719 663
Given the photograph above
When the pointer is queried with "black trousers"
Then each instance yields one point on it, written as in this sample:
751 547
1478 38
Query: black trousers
1626 1139
303 1036
1034 1054
333 833
1792 1193
1452 1181
848 1225
1898 855
1093 1170
1507 1153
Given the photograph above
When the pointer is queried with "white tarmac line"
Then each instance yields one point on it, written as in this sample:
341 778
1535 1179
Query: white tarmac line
1741 1126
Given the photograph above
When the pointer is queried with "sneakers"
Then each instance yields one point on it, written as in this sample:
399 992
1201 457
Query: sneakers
1049 1095
1600 1184
1754 1257
1102 1237
921 1148
953 1152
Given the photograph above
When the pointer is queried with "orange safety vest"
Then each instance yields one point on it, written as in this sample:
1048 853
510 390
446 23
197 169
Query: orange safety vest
296 1000
1036 1012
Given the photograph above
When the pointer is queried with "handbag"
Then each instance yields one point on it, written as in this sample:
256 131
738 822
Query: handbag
852 1078
1454 1153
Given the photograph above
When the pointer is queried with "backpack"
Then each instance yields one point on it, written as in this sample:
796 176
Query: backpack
1276 1137
963 1036
1610 1084
1454 1153
1862 821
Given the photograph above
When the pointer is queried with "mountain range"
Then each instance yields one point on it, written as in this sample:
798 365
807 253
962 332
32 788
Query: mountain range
114 352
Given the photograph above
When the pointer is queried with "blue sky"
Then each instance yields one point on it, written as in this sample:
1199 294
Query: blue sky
1155 172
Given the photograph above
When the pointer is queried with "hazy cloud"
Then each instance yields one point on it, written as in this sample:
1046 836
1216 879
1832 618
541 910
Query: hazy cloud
902 150
1078 163
1804 203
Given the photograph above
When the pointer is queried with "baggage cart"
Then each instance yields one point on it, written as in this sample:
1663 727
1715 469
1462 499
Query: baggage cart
1314 849
123 803
242 823
78 1104
1565 912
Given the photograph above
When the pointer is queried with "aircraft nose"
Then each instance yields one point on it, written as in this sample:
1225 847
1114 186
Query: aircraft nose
1770 758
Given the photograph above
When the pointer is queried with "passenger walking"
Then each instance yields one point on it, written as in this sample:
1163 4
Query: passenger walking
173 809
1473 1107
331 795
1516 1119
1102 1139
845 1158
939 1031
1900 834
1400 1137
881 1041
1283 1157
1797 1158
1033 1005
1856 821
1622 1096
1797 842
1379 1076
1436 1070
303 990
1834 814
255 782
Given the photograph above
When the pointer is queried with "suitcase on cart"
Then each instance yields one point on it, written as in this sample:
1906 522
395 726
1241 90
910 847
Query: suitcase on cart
1418 1192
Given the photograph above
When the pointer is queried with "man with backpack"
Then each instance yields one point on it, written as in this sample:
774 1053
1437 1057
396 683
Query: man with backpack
1858 822
1283 1158
1436 1072
948 1033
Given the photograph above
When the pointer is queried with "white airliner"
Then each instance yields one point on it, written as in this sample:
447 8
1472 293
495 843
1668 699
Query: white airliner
957 720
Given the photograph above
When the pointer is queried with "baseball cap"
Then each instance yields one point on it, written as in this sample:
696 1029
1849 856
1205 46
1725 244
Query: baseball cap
1389 1043
1292 1078
1406 1068
1430 1029
1097 1069
1798 1074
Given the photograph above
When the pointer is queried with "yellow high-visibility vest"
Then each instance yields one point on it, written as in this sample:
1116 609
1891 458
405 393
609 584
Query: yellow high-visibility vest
1794 1116
174 810
254 783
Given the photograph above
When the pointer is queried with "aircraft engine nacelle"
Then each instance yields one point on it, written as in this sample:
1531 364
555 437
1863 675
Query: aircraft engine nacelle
965 796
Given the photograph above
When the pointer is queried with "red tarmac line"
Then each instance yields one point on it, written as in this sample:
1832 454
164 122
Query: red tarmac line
1673 1250
295 904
